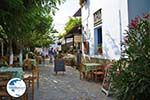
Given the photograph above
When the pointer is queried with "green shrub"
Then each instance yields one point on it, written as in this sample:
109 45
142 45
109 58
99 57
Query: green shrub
131 76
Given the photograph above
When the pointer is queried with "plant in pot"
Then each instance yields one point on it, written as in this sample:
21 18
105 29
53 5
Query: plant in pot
99 49
82 2
72 61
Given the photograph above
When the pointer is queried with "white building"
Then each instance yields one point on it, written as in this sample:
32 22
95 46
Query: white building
105 21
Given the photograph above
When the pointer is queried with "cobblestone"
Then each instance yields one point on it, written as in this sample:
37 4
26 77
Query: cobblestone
67 86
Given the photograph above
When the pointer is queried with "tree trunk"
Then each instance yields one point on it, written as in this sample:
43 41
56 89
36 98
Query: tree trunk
11 60
21 57
2 48
11 57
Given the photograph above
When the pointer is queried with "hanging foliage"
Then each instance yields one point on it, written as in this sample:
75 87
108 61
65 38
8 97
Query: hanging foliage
73 22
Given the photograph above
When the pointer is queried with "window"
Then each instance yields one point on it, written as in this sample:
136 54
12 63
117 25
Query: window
99 35
98 40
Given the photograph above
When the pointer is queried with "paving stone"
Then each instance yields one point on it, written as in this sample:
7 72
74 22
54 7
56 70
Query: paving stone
67 86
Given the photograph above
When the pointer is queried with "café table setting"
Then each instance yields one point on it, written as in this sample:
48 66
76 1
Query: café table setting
89 68
16 71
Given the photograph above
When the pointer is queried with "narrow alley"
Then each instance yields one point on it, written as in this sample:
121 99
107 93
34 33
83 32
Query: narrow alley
67 86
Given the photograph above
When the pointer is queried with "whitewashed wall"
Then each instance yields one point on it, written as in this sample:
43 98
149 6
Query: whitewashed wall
114 22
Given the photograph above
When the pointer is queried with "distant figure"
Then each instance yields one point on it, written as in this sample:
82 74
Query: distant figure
51 53
55 53
43 57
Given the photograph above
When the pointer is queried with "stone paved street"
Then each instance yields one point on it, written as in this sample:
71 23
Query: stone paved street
67 86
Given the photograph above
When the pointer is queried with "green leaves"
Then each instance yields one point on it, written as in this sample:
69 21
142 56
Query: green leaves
71 24
130 77
27 22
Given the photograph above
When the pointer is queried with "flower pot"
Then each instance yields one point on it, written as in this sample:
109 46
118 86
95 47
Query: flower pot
100 50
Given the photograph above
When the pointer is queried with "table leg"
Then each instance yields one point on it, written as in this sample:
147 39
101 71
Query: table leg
32 89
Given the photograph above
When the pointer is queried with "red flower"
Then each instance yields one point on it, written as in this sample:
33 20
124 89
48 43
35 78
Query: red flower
147 16
134 22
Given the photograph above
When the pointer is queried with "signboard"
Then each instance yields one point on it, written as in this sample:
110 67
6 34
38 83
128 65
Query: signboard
59 65
106 85
77 38
97 17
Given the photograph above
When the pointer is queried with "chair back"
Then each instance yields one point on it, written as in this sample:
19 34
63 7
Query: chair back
5 76
81 68
27 65
85 59
3 61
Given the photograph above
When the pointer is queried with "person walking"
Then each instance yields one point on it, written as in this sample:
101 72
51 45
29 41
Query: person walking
50 53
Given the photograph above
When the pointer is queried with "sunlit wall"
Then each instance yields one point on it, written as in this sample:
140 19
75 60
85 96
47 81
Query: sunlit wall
116 15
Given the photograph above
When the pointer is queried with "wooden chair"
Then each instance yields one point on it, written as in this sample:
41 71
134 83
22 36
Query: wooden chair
32 75
38 59
3 61
82 71
27 65
4 78
99 72
30 83
32 69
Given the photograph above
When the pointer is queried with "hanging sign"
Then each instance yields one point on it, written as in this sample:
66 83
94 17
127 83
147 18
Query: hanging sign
97 17
77 38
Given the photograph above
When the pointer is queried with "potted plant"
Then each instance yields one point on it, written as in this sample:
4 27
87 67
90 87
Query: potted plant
99 48
72 61
82 2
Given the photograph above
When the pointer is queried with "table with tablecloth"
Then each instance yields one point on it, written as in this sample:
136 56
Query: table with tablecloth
17 71
90 66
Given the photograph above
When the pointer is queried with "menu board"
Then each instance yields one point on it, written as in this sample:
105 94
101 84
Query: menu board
59 65
106 81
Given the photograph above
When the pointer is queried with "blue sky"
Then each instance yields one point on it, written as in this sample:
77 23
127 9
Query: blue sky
65 10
